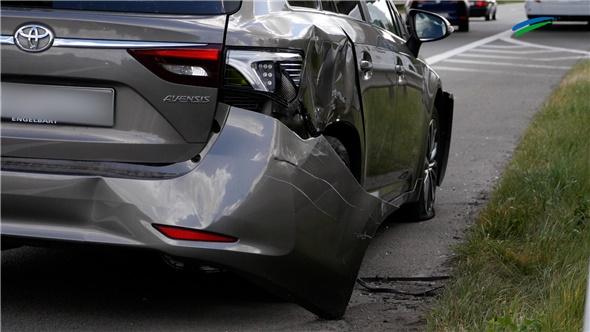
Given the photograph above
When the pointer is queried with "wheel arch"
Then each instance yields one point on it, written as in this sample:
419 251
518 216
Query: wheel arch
347 134
444 103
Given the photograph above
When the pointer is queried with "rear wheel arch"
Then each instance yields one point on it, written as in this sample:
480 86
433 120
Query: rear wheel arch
444 104
346 134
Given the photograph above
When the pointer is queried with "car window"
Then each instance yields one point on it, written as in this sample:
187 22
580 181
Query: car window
306 4
350 8
380 16
399 21
153 7
329 6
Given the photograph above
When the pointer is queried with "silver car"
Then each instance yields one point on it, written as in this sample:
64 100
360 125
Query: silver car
269 138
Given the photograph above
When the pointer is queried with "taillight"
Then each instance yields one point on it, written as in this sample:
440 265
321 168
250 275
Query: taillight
274 74
480 4
188 234
195 66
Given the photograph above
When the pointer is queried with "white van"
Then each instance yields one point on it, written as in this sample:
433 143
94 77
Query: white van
563 10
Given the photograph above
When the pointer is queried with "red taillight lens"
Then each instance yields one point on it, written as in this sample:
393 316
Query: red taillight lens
195 66
211 54
480 4
187 234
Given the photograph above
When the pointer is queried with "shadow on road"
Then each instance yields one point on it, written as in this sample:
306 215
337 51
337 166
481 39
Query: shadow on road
77 283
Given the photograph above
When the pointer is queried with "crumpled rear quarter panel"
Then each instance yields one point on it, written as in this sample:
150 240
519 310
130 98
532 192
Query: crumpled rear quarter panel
328 91
302 220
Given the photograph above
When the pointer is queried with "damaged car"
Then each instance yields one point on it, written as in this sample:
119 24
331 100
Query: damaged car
268 138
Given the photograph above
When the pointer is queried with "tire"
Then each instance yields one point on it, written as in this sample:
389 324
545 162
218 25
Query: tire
464 26
423 209
340 150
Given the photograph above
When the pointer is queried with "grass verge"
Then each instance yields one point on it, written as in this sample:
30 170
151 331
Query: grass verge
524 264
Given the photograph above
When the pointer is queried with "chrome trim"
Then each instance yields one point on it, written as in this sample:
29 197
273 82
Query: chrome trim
106 43
103 43
6 40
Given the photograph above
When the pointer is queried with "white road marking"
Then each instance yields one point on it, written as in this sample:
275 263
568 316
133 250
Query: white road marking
487 71
577 57
560 49
502 47
479 50
504 36
506 64
494 56
445 55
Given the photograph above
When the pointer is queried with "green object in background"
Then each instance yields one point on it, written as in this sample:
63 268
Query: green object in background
531 27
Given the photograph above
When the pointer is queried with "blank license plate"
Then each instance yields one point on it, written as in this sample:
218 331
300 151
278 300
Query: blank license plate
56 104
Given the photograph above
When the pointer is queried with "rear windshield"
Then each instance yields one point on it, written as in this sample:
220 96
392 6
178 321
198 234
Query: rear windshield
152 7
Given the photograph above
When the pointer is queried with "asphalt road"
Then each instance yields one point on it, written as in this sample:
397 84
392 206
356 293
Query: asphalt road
498 86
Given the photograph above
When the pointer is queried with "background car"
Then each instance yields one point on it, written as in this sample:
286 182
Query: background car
483 8
562 10
267 138
456 11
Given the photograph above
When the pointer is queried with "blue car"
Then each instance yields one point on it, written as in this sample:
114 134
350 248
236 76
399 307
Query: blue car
455 11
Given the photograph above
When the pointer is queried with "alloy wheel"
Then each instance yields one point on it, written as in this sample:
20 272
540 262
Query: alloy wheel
431 168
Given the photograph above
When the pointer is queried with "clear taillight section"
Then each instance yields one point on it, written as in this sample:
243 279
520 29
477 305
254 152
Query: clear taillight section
275 73
293 69
194 66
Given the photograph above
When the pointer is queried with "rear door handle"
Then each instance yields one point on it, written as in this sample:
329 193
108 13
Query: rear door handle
400 70
366 65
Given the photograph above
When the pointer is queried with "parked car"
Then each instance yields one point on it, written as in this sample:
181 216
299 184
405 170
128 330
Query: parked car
456 11
268 138
562 10
483 8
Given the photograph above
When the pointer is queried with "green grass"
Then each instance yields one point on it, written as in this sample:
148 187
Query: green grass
524 264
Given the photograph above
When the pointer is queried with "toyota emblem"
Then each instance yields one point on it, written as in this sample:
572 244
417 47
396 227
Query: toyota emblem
33 38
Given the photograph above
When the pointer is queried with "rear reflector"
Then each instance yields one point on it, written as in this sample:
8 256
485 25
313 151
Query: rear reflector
187 234
194 66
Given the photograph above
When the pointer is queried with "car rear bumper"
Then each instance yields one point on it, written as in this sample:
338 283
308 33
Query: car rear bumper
455 12
302 220
455 18
567 18
478 11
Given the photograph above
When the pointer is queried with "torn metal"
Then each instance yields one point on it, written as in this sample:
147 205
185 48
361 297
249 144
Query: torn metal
328 91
